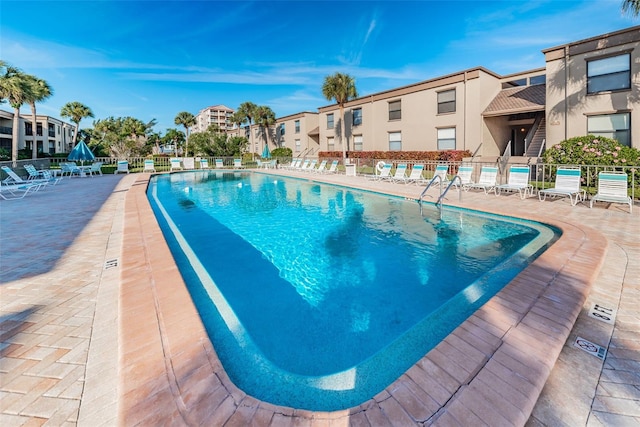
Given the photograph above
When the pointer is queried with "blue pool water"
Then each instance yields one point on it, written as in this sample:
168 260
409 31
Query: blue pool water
317 296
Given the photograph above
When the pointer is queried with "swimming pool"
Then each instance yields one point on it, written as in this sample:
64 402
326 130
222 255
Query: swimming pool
317 296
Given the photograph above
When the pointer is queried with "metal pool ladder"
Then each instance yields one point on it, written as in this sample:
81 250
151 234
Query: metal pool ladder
442 193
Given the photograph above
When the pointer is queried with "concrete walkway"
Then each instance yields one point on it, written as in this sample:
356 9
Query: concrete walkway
59 305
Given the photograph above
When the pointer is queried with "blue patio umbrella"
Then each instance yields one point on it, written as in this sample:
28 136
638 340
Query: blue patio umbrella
266 154
81 152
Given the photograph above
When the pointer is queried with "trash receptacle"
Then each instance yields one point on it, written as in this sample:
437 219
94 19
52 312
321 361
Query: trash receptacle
350 169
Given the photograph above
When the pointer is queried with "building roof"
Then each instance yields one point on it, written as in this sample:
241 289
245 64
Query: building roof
315 131
517 100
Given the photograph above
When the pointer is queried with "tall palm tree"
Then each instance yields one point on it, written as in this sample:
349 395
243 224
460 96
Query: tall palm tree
341 88
631 6
247 109
187 120
14 88
40 90
265 118
76 111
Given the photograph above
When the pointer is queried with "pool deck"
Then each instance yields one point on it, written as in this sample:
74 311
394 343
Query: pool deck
98 329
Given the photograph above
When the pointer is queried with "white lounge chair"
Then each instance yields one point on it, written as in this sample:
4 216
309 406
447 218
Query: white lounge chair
95 169
69 169
188 163
204 163
464 173
416 175
123 166
149 165
176 164
312 166
518 181
322 167
237 164
219 164
18 191
15 179
567 185
304 166
400 173
612 187
333 168
384 173
487 181
442 171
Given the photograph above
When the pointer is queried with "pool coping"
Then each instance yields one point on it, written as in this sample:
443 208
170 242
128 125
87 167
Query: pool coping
489 370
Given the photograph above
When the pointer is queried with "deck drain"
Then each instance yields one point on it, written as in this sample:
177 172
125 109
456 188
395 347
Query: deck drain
602 313
111 263
591 348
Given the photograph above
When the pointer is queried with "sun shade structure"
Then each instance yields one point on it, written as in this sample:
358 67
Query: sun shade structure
81 152
266 154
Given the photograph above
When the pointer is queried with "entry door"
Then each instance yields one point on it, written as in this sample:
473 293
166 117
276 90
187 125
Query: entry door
518 134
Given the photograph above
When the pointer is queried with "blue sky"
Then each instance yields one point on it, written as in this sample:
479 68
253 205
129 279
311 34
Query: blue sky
150 59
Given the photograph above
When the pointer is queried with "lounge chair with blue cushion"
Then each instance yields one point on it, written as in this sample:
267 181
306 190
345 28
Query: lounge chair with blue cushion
487 181
384 172
95 169
149 165
333 168
15 179
18 191
442 171
400 174
415 176
237 164
122 167
612 188
464 173
204 163
567 185
176 164
518 181
322 167
219 164
70 169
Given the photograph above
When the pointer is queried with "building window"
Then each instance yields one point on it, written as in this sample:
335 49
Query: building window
607 74
447 101
614 126
357 142
447 139
297 126
357 116
395 141
282 129
297 145
395 111
330 121
331 146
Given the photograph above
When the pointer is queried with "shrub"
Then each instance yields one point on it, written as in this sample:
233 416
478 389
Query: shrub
282 152
592 150
448 156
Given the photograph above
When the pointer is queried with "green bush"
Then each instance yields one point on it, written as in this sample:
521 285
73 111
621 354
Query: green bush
592 150
282 152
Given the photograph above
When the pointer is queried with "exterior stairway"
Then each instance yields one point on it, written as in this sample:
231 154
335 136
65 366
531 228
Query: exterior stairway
538 140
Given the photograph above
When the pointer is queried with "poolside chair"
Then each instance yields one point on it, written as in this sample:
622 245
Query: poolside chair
15 179
69 169
322 167
219 164
518 181
204 163
333 168
291 164
149 165
37 174
18 191
237 164
442 171
385 173
612 187
123 166
312 166
567 185
176 164
95 169
464 173
487 181
188 163
400 173
415 176
304 166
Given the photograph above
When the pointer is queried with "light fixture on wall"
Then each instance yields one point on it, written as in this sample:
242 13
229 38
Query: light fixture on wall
522 130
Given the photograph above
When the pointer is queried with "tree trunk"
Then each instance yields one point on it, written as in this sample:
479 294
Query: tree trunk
342 130
34 149
75 134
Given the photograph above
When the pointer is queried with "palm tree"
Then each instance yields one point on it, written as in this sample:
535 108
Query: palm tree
340 87
15 88
40 90
187 120
247 109
631 6
76 111
265 118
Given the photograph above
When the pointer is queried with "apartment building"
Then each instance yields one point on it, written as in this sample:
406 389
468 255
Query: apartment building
219 115
588 86
300 132
58 137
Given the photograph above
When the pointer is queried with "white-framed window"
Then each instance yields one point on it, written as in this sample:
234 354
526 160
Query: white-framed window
447 139
357 116
331 145
395 141
615 126
395 110
357 142
330 122
607 74
297 126
447 101
297 145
